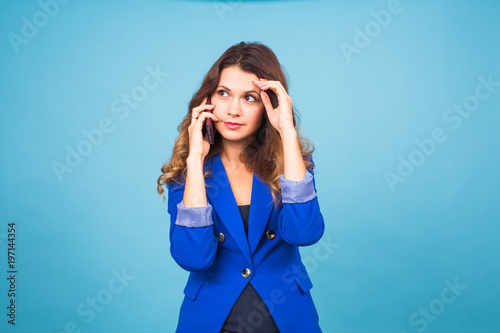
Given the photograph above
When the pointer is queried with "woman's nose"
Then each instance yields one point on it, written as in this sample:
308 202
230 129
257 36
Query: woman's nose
234 108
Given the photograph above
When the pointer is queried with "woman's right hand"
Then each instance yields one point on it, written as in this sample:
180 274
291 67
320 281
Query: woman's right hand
199 145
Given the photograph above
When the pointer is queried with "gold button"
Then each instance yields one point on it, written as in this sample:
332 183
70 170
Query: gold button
246 272
270 234
220 237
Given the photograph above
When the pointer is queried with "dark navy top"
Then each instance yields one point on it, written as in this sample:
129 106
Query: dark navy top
249 313
245 213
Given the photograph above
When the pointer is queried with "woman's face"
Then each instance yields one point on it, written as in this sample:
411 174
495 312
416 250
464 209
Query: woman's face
238 105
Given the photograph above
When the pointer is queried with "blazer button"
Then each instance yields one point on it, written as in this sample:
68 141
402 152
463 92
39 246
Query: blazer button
270 234
220 237
245 272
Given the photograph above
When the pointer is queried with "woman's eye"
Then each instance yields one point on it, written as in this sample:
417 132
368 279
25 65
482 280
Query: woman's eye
222 92
250 98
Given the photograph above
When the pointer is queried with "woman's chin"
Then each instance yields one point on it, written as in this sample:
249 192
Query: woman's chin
235 137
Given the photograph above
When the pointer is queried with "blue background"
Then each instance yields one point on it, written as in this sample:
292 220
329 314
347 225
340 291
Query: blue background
393 250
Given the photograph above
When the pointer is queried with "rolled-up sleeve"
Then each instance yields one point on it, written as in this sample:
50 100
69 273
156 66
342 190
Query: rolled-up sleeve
192 241
194 217
297 191
300 221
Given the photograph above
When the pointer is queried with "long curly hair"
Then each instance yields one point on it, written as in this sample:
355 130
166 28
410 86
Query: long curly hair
264 155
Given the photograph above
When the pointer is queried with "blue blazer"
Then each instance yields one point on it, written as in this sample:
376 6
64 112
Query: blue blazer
210 242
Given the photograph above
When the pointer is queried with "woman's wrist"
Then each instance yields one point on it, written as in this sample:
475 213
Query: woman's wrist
194 160
194 193
288 133
294 164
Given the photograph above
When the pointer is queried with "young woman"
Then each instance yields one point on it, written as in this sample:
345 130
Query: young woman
240 208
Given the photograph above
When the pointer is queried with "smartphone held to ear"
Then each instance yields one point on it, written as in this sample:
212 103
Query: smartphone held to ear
209 125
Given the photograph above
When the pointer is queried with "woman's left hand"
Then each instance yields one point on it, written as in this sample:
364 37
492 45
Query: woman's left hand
282 117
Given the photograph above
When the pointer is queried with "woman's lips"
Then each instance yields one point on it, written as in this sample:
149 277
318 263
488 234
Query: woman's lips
233 125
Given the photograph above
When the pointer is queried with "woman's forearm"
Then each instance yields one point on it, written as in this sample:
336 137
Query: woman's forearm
195 194
295 168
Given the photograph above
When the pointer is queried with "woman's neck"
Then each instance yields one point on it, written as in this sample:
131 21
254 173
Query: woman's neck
230 152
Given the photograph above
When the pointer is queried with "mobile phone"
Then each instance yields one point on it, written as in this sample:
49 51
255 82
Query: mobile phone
209 125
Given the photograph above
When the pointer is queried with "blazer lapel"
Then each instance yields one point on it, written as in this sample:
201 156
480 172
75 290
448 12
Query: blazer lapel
261 206
221 197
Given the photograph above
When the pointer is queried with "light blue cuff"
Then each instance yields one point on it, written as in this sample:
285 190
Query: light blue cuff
297 192
194 217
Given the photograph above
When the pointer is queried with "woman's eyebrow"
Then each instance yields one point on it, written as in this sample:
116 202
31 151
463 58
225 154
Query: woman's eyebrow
246 92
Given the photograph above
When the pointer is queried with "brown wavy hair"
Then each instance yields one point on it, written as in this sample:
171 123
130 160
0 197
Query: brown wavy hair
264 155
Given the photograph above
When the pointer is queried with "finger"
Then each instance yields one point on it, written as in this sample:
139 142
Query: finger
196 127
278 89
201 119
202 106
198 110
276 86
259 82
267 83
264 85
267 101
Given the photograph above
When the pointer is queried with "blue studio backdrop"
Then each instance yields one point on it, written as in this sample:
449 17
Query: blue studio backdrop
401 99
